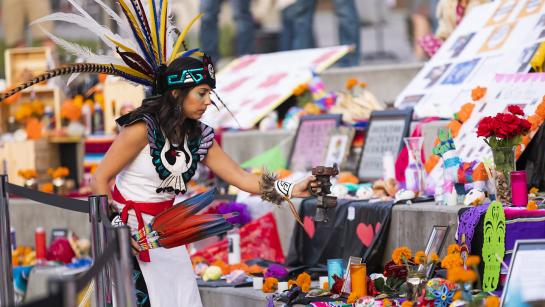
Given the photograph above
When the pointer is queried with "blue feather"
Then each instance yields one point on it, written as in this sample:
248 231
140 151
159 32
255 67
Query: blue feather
189 52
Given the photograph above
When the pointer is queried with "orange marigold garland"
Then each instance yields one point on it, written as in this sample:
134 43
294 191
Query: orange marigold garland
478 93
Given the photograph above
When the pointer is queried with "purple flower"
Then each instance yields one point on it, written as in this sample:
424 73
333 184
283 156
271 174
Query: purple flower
277 271
243 214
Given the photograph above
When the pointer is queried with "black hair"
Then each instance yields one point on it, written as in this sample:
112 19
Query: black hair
166 110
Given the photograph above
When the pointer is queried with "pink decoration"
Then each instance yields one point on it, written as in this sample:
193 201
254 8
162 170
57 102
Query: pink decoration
519 189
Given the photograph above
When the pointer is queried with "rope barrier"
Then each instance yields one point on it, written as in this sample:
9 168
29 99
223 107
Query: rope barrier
50 199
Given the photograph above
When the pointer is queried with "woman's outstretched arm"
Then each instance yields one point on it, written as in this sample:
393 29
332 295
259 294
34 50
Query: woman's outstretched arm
228 170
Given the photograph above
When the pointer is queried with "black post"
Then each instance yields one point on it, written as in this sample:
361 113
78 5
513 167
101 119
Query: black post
6 274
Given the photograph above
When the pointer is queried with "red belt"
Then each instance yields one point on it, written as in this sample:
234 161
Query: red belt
152 209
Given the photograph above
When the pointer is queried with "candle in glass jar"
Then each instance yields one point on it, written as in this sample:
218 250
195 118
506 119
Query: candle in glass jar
358 279
39 237
334 267
519 189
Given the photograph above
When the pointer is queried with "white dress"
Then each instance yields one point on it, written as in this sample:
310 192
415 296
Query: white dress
150 178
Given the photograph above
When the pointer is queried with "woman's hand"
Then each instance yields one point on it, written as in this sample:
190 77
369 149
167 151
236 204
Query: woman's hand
135 248
301 189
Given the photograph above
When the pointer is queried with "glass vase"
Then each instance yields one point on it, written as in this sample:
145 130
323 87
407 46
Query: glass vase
504 161
416 281
414 177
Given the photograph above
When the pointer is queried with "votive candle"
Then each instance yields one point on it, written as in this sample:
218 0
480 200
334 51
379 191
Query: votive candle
358 279
519 189
334 267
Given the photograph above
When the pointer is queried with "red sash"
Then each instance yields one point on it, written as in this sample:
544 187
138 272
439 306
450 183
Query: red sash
152 209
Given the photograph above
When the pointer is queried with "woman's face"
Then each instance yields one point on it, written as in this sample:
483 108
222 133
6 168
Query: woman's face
196 102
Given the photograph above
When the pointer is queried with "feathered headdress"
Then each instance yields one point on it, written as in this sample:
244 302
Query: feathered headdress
147 43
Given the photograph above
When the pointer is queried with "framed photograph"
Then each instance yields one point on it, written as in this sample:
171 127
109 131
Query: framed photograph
385 133
435 244
526 277
338 147
311 141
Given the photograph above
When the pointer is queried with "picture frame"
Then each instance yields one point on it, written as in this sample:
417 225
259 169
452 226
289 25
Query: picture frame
311 139
435 244
385 132
338 146
527 258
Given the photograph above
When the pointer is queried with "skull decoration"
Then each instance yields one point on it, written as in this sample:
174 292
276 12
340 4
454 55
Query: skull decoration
494 245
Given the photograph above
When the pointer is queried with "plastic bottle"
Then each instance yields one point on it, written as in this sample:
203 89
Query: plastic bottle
39 237
98 119
233 242
87 118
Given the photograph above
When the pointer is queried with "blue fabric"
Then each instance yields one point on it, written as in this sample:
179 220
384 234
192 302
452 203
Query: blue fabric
209 32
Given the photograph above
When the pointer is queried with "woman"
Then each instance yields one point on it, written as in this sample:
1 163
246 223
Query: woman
159 144
165 134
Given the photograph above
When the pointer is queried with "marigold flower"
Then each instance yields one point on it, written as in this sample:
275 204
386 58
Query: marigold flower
291 283
401 255
270 285
386 303
420 257
352 298
473 260
434 257
465 112
540 110
478 93
452 261
47 187
535 122
533 190
454 249
363 84
457 295
300 89
459 274
350 83
531 205
303 281
492 301
326 286
407 304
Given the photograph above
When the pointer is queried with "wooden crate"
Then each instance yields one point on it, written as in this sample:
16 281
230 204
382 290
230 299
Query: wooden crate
50 96
117 92
24 63
38 155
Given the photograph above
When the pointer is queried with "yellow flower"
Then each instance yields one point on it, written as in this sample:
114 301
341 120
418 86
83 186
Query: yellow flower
401 255
434 257
407 304
352 298
492 301
420 257
452 261
454 249
473 260
386 303
533 190
532 205
350 83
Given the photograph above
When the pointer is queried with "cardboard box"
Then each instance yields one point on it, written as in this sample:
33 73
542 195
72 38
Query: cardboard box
38 155
24 63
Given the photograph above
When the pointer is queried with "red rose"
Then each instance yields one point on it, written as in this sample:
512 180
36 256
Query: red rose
515 110
484 128
526 125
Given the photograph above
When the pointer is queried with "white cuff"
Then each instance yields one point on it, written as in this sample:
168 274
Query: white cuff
284 188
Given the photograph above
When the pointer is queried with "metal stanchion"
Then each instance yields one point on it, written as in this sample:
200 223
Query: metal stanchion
96 247
125 295
6 274
104 223
69 293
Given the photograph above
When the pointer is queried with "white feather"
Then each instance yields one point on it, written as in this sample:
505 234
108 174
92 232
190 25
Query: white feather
121 22
91 25
72 78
